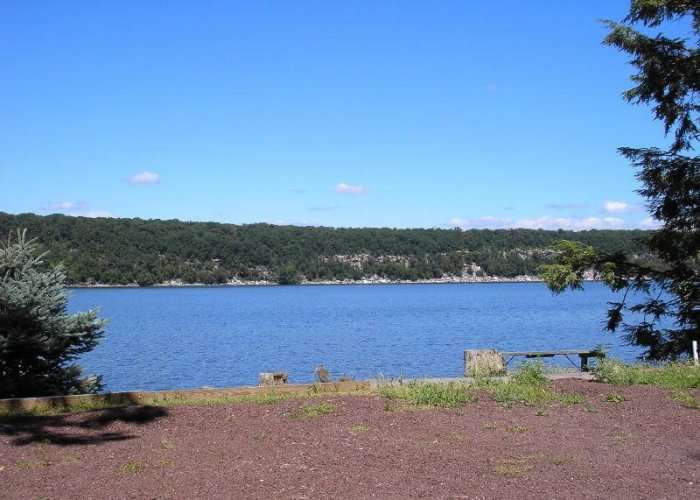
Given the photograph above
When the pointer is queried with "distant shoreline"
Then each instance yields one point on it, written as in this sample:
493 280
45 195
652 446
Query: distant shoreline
368 281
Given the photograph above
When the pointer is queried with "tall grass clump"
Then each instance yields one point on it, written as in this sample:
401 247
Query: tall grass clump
527 386
450 395
671 376
530 374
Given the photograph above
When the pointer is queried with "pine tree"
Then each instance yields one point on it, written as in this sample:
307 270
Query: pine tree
667 79
39 341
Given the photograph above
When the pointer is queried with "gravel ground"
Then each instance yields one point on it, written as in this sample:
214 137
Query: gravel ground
647 446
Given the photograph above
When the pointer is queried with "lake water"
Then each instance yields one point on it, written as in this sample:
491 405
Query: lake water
164 338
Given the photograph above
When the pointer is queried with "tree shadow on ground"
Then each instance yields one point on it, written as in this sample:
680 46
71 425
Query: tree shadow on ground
81 428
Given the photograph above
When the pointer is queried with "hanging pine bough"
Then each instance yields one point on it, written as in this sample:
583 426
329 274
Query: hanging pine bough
39 341
667 79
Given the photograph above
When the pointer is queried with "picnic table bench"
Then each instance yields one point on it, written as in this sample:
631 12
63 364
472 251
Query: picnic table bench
583 355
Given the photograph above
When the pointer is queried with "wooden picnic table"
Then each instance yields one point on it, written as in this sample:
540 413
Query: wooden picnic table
582 354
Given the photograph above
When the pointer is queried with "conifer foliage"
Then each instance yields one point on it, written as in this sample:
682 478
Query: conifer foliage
667 80
39 340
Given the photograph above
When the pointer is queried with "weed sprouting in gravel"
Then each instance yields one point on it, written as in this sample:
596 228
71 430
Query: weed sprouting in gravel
32 464
132 467
614 397
518 429
260 436
314 410
167 444
590 409
570 398
554 460
513 467
686 399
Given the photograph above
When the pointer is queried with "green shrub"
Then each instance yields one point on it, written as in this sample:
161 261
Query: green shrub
530 373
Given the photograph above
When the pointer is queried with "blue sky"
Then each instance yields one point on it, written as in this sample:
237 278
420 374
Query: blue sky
399 114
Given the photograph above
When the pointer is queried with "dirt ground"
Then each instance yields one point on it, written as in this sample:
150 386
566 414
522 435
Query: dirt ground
647 446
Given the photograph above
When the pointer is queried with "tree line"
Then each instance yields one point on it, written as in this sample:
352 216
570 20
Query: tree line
147 252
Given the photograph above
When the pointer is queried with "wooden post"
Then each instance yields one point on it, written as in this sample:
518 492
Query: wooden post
272 378
695 353
486 362
322 374
584 362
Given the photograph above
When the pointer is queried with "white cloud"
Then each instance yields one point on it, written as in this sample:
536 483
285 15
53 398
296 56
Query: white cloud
618 207
75 208
572 223
486 221
650 223
350 188
65 206
544 222
94 214
145 177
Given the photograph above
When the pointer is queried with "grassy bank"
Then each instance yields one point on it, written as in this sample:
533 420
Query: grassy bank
265 396
670 376
527 386
680 378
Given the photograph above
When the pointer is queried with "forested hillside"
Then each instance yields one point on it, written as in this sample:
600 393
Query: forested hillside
128 251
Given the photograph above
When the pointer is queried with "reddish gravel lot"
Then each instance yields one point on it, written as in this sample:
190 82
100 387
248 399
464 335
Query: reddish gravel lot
645 447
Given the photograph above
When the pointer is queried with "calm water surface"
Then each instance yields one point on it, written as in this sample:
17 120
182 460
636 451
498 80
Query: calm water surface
162 338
